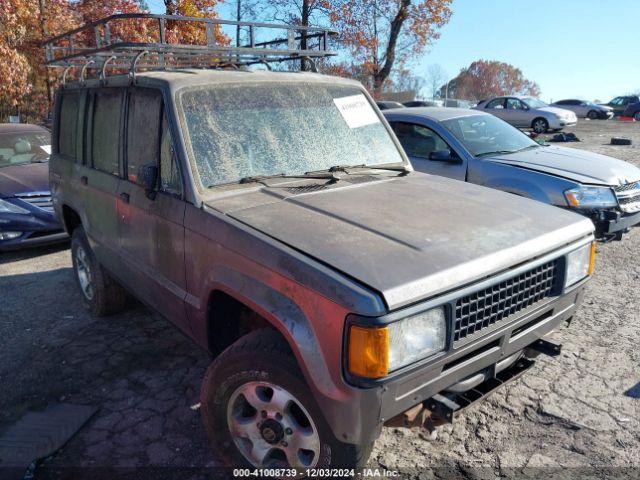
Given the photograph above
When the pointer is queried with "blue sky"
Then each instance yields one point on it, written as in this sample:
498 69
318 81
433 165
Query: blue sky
586 49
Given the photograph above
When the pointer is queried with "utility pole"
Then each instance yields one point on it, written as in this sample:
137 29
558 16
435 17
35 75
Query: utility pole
238 18
45 34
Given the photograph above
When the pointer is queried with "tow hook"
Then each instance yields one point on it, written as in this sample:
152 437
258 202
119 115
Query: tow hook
546 347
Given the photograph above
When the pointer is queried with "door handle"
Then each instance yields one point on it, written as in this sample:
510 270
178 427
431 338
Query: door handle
83 180
124 196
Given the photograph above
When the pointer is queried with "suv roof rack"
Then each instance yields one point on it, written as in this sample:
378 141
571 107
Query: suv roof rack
98 45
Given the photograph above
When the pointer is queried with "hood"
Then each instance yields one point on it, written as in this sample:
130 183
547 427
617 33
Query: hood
561 112
30 177
412 237
573 164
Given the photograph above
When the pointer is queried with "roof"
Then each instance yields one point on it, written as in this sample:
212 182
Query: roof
20 128
176 79
434 113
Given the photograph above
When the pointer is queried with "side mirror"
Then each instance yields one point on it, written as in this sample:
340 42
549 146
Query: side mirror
148 175
443 156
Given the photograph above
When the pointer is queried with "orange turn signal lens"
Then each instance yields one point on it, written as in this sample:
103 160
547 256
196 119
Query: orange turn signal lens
368 351
592 258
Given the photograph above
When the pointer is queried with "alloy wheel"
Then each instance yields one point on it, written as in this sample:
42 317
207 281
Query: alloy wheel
83 271
271 428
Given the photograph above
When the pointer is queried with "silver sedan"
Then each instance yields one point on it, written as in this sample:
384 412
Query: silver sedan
528 112
584 109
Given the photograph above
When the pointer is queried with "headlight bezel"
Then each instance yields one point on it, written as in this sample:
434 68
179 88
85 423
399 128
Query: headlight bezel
387 321
590 197
7 207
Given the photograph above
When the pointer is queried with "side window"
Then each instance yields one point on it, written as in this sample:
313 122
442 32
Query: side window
418 141
105 134
170 180
514 104
143 130
496 103
68 123
617 101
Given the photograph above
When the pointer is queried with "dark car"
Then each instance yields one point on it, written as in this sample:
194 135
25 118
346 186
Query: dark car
26 213
633 111
619 104
420 103
388 105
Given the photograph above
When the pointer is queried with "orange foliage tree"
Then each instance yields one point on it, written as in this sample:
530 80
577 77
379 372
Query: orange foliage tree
485 79
382 34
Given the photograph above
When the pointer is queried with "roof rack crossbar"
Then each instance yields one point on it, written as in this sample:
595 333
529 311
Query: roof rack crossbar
95 45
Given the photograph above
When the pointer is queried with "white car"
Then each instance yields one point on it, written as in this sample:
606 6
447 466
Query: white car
528 112
584 109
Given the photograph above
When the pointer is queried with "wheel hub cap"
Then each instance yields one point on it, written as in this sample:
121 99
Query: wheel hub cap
272 431
83 272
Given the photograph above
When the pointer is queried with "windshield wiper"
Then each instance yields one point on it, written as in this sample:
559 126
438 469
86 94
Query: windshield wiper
261 178
346 168
497 152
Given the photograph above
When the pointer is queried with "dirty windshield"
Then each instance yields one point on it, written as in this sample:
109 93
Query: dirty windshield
21 148
243 130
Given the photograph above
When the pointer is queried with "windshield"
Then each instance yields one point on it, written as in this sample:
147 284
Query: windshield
24 147
486 134
534 102
246 130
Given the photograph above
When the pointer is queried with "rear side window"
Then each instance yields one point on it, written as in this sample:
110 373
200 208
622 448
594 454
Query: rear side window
105 134
68 125
143 130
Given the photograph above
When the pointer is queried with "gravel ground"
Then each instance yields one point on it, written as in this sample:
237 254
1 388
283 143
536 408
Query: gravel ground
569 415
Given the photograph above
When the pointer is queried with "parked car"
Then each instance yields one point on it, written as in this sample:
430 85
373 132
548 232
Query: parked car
619 104
422 103
26 214
275 219
480 148
528 112
387 104
584 109
632 111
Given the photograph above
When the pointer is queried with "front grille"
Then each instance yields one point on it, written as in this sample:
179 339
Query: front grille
487 307
628 186
629 197
42 201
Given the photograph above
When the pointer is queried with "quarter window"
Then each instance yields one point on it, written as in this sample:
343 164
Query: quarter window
68 124
105 135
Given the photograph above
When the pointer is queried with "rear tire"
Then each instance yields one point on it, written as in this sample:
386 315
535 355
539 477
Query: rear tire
102 294
540 125
636 116
592 115
255 389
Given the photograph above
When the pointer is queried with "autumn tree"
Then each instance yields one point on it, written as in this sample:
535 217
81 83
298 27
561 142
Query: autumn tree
485 79
382 34
436 77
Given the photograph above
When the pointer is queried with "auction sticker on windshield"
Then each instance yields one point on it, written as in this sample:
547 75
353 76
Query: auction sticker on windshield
356 111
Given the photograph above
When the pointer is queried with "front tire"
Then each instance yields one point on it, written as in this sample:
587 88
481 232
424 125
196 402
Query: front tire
592 115
102 294
259 412
540 125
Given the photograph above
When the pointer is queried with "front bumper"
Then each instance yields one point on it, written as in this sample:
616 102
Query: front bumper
610 223
34 231
462 367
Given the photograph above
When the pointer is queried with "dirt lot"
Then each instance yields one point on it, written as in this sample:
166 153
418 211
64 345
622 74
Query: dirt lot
568 415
